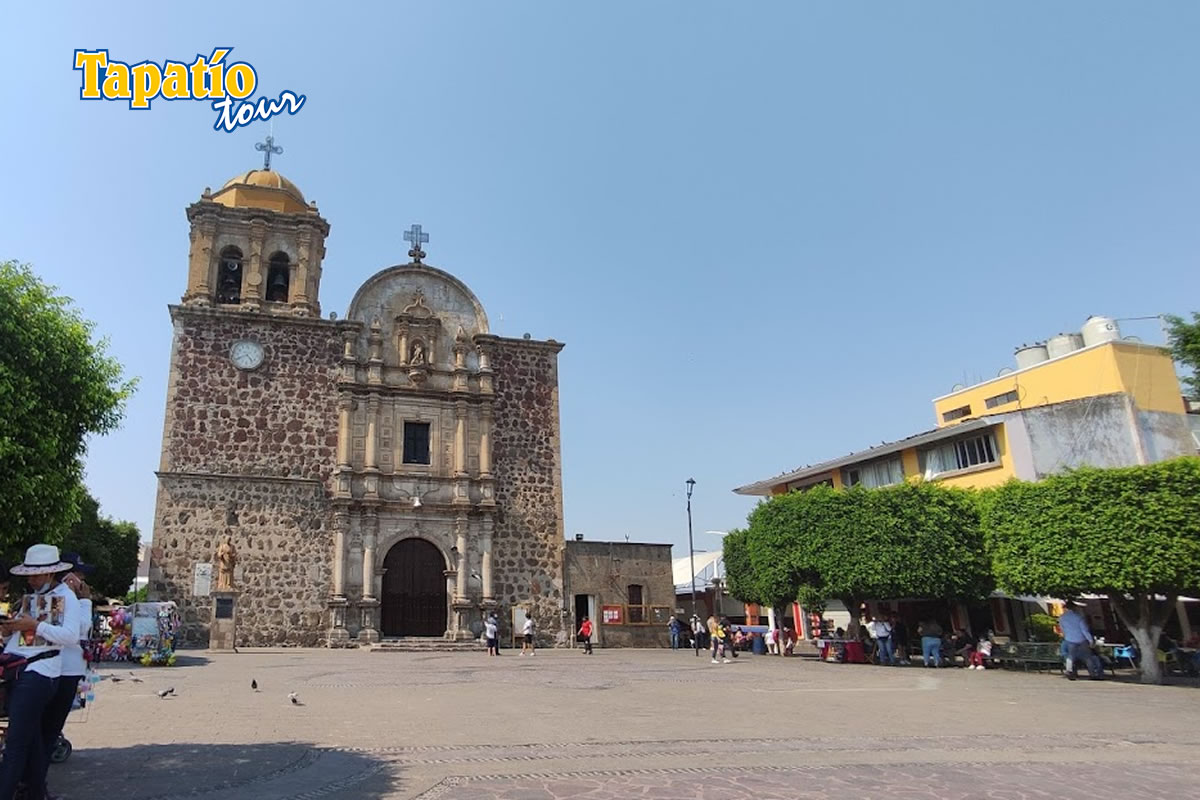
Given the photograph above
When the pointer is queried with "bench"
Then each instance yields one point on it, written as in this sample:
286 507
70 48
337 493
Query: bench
1038 655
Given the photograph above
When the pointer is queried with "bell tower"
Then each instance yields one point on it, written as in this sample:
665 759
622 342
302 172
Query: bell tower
256 245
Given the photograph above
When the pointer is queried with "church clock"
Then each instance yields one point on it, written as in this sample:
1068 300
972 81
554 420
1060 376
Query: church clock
246 354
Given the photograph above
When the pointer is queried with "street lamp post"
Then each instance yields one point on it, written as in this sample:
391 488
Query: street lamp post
691 484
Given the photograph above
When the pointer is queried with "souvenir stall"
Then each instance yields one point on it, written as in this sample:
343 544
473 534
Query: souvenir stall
154 627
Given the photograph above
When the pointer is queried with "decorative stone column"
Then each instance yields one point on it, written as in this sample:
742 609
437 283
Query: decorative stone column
299 285
375 353
371 466
460 438
200 262
252 294
485 442
460 603
345 407
370 603
338 635
485 562
349 361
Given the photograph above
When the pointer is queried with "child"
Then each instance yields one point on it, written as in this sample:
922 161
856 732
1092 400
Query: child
981 652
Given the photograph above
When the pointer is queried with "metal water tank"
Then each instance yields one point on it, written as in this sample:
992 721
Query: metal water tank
1100 329
1030 354
1063 343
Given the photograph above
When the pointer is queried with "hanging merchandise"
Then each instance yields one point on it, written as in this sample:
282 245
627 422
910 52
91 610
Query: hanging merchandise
154 627
113 642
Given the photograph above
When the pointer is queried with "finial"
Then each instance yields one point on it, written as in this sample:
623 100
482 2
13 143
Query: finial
266 148
416 237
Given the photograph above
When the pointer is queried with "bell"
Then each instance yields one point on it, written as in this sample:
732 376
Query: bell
278 287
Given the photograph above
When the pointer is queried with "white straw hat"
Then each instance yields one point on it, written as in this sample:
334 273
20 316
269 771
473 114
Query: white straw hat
41 559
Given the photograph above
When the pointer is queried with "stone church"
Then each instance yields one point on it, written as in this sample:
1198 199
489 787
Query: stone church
393 472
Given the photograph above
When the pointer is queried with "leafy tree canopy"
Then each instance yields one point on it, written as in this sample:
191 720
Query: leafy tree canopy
57 386
111 546
1185 347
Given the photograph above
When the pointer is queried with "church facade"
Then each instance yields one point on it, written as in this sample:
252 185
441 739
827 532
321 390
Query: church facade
394 473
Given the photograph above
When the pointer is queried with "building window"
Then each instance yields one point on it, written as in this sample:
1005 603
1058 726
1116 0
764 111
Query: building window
637 610
278 276
972 451
416 443
956 413
1002 399
874 474
229 276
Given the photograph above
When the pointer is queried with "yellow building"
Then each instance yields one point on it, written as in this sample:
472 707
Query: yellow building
1079 399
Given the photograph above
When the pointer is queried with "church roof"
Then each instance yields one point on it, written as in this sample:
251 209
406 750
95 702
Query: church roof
261 188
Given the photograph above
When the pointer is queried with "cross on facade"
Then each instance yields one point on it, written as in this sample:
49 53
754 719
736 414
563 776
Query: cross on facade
266 148
416 237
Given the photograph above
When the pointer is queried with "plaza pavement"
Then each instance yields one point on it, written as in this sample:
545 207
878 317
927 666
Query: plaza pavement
620 724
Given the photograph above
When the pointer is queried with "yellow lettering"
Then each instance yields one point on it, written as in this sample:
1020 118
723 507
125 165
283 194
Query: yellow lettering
147 80
90 64
240 80
116 81
216 73
199 90
174 85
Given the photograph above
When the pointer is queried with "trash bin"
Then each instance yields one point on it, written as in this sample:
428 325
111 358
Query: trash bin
760 646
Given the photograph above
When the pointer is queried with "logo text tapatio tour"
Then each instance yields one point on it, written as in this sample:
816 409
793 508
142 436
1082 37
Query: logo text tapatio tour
227 85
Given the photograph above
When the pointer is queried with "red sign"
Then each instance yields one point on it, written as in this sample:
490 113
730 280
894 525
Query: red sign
612 615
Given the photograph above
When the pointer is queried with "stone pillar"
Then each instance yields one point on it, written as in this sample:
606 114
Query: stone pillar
460 563
338 635
375 353
369 605
222 636
485 442
299 286
460 438
200 263
253 278
485 563
345 406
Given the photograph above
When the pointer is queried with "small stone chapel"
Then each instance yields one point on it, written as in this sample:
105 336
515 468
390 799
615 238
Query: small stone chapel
392 473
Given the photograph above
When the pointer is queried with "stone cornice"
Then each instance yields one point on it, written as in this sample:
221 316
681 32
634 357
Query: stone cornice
531 344
309 219
236 313
239 476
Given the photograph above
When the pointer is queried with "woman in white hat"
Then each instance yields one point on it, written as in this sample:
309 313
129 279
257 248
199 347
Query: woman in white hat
48 619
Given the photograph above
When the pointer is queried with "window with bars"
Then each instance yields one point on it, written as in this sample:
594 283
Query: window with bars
971 451
416 443
956 413
1002 399
637 610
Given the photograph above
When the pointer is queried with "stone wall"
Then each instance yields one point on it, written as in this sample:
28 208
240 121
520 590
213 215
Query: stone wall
605 570
526 453
281 529
249 454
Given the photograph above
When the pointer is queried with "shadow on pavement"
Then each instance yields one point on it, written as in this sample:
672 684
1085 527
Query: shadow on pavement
276 770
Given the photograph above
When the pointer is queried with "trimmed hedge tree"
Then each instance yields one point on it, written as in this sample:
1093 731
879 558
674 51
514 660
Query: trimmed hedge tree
1130 533
910 540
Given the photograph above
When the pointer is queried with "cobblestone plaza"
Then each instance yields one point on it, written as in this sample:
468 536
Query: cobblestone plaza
622 724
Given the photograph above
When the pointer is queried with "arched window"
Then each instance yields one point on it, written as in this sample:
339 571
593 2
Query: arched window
278 277
229 276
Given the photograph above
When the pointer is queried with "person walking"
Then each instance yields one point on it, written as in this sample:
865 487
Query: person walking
585 636
930 632
47 621
674 627
881 629
1078 640
697 633
527 633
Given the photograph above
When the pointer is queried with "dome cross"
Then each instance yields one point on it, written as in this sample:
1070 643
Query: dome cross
266 148
416 237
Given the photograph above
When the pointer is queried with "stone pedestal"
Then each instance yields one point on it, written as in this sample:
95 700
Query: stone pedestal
338 635
368 633
460 632
222 633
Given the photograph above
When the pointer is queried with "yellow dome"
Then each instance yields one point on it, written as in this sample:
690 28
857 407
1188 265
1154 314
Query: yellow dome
261 188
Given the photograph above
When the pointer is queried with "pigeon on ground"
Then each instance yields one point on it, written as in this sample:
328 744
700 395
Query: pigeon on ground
133 677
295 700
166 692
115 679
254 684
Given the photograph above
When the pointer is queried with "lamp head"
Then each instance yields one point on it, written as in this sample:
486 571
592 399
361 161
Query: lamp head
691 483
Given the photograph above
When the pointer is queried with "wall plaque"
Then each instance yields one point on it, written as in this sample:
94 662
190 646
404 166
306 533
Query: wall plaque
224 608
202 580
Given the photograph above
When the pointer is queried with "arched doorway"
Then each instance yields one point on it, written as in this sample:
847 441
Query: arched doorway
414 590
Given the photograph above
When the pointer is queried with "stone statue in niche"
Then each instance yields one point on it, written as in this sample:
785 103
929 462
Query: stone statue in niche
417 357
226 561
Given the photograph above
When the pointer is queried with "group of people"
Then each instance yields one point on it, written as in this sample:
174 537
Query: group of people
44 646
885 638
491 633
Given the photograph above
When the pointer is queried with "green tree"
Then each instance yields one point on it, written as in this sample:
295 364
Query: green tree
1184 337
910 540
111 546
1130 533
57 386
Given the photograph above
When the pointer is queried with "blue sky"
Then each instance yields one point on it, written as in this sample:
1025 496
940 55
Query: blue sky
768 233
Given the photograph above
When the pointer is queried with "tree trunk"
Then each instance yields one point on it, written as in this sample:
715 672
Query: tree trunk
780 616
1138 615
854 606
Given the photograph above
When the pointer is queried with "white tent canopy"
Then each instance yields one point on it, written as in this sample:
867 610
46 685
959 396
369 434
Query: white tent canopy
709 565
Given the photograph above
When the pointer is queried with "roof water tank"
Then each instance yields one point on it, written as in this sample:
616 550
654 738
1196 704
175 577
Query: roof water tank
1100 329
1030 354
1063 343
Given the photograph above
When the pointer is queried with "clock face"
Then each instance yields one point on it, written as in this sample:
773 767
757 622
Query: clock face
246 354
